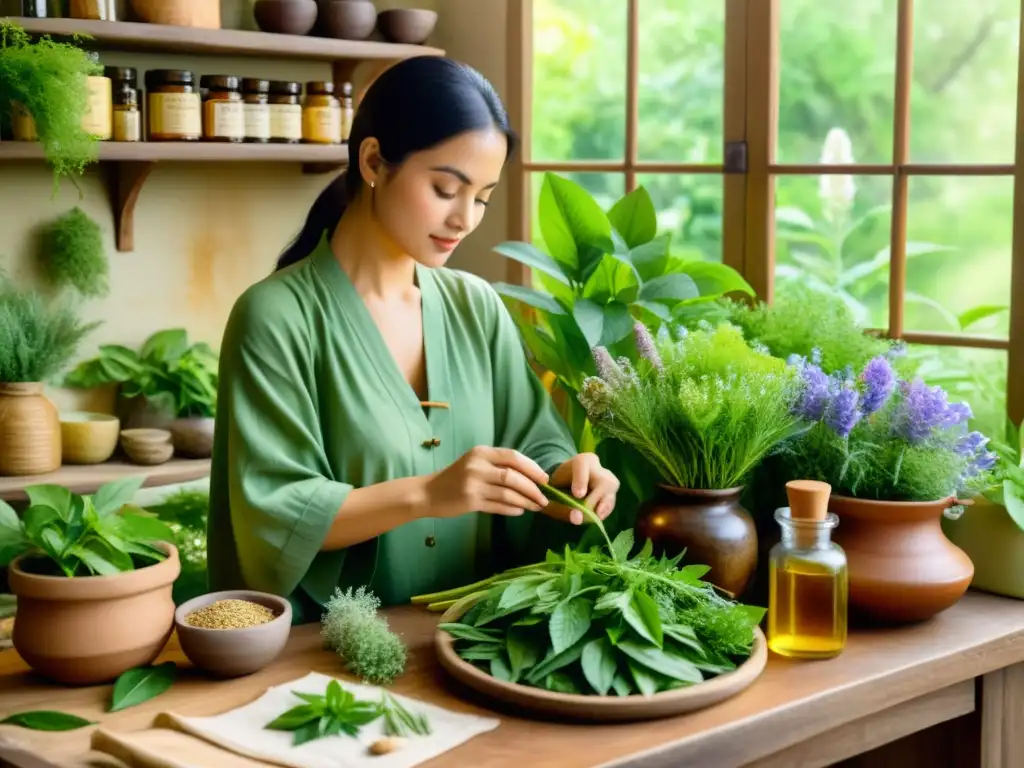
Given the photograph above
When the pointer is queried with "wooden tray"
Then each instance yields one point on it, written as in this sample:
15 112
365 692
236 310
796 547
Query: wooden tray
611 708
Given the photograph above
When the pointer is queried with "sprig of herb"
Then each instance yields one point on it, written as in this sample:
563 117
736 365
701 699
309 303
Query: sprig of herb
352 628
560 497
399 721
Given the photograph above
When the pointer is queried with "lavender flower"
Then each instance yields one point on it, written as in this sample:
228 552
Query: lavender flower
645 345
956 414
814 395
970 444
842 413
606 367
879 381
923 410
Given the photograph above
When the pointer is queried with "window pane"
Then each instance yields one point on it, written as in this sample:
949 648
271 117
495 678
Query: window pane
832 234
689 208
964 102
605 188
975 376
959 238
579 80
682 80
837 70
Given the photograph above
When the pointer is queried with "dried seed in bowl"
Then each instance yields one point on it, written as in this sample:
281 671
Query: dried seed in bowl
230 614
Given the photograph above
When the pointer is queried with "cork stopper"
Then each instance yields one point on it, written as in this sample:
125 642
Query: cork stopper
808 499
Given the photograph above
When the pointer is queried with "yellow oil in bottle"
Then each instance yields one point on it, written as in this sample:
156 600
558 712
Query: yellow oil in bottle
808 579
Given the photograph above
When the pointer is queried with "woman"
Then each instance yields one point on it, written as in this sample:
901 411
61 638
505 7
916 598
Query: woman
378 423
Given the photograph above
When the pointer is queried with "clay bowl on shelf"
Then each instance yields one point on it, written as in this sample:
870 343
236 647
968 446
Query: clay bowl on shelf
285 17
147 446
234 652
347 19
411 26
88 438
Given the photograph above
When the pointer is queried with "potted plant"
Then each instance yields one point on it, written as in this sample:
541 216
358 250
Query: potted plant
704 409
898 455
36 341
92 579
168 383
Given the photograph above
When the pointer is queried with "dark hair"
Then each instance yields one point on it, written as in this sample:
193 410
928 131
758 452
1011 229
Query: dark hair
414 105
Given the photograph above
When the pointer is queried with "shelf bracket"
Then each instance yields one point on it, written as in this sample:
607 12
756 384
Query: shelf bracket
125 180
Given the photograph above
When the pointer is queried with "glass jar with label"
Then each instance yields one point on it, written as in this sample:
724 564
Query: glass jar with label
127 118
255 94
321 114
285 112
98 117
347 111
99 10
223 109
174 109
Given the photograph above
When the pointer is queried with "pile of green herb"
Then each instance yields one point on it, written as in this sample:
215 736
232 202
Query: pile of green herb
352 628
600 621
73 254
704 409
37 338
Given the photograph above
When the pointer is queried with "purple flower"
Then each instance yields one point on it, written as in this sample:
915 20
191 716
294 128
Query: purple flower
842 413
956 414
606 367
970 444
922 411
814 396
879 381
984 462
645 345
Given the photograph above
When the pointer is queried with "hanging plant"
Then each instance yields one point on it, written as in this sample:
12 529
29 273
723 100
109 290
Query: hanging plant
48 80
72 254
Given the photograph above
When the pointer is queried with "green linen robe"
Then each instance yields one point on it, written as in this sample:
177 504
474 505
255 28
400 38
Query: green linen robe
312 405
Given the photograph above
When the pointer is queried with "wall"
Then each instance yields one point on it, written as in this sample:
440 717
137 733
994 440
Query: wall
203 233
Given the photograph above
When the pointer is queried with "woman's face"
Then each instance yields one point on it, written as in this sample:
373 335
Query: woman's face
438 196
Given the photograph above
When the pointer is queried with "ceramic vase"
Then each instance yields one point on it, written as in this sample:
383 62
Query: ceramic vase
995 544
30 442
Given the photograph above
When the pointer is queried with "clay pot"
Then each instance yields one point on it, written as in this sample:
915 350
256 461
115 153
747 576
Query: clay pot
995 544
902 566
179 13
88 438
285 17
193 437
712 526
147 447
347 19
87 630
411 26
30 441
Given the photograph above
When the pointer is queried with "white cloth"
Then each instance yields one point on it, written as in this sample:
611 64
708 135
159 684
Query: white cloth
242 730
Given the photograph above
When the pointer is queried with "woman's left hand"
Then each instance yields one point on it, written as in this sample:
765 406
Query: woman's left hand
585 477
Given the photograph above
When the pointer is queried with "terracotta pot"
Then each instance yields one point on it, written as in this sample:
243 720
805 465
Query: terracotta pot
712 526
89 629
193 437
286 17
179 13
902 567
30 441
995 544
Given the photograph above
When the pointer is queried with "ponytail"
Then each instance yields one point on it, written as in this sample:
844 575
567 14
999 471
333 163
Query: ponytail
323 217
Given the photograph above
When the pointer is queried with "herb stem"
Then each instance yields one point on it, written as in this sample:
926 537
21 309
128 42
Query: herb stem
565 499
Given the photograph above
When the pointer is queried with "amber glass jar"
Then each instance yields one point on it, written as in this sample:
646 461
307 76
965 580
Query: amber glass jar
255 94
285 112
223 109
174 109
321 114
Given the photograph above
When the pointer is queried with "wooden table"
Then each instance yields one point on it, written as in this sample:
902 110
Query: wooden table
959 679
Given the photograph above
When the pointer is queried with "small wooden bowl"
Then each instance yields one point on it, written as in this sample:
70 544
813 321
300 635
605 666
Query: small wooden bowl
88 438
411 26
285 17
147 446
348 19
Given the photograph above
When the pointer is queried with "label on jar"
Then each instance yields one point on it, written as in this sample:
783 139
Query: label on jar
257 121
22 123
321 125
175 115
127 125
225 119
286 121
97 118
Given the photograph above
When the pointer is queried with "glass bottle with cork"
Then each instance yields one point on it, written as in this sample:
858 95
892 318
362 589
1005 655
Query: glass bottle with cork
808 577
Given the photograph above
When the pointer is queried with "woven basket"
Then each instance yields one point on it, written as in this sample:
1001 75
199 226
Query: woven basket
30 442
179 13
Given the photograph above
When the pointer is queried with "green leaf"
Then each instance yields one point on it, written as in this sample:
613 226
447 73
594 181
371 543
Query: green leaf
38 517
599 665
46 720
1013 500
532 257
622 545
466 632
165 346
660 312
530 296
311 731
572 223
645 681
523 652
622 685
57 497
142 528
555 661
561 683
661 661
651 259
569 623
981 312
10 523
714 279
114 495
602 325
296 717
641 613
500 670
672 287
142 684
635 218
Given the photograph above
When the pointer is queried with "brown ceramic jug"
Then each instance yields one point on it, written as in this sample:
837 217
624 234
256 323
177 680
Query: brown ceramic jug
712 526
902 566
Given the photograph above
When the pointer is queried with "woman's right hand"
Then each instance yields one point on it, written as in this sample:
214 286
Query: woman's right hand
500 481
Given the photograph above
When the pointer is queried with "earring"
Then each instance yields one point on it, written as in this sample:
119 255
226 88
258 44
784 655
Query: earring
373 184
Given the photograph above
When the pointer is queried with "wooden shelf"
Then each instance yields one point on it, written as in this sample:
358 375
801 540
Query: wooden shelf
86 479
159 38
128 165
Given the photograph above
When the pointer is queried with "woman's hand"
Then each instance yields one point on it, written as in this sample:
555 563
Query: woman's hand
500 481
585 476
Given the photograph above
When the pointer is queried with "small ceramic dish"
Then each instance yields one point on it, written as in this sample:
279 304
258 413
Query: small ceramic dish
147 446
234 652
88 438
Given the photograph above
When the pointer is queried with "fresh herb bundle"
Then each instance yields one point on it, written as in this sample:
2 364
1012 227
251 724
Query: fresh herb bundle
595 622
399 721
73 254
352 628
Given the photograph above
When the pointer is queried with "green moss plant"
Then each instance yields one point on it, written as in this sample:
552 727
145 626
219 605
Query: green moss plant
73 254
352 628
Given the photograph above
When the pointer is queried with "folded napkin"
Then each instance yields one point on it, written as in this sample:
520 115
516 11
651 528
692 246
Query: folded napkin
242 730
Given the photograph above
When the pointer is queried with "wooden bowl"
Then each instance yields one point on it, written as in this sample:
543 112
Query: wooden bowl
610 708
147 446
348 19
179 13
88 438
193 437
285 17
411 26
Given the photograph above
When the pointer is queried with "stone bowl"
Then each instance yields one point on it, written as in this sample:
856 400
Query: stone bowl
348 19
147 446
285 17
411 26
234 652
